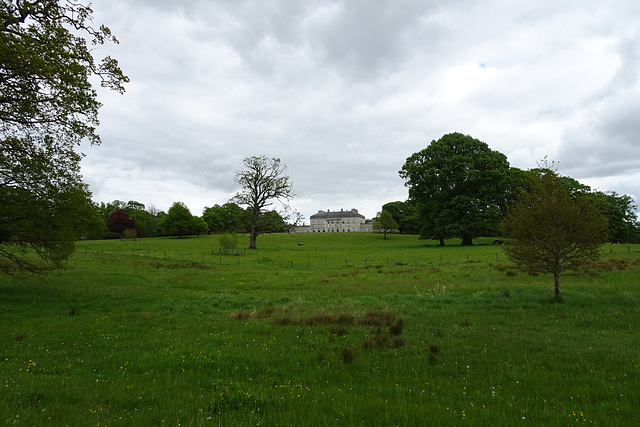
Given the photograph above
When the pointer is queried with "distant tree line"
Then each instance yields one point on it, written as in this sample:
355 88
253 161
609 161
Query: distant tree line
460 188
132 219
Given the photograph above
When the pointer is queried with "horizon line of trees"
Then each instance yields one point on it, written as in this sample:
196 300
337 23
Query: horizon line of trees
623 225
460 188
132 219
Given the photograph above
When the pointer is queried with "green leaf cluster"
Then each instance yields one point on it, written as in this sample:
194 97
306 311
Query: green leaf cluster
47 107
384 223
180 222
459 186
554 229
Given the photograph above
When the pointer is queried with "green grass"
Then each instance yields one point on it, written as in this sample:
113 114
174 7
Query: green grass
348 329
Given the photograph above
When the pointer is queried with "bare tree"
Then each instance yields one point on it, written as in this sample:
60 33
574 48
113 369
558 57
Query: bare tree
263 180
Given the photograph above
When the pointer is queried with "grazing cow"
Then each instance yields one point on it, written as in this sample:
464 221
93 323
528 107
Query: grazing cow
498 242
300 244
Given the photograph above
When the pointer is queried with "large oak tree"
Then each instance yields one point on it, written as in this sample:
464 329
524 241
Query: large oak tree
47 107
263 180
459 186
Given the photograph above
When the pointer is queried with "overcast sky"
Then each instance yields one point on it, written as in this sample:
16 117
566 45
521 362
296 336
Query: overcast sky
344 91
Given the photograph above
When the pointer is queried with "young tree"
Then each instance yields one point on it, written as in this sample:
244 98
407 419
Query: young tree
459 186
47 107
384 223
228 242
262 180
552 229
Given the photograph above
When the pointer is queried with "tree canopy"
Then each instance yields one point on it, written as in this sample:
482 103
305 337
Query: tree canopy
554 229
120 221
263 180
45 66
47 107
620 211
180 222
224 219
405 215
459 186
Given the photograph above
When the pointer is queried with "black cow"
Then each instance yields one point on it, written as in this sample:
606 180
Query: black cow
498 242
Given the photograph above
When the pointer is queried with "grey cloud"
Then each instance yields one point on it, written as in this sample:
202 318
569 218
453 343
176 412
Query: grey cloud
344 91
365 39
605 141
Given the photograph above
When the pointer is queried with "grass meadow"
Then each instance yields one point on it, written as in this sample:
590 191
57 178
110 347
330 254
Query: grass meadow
349 329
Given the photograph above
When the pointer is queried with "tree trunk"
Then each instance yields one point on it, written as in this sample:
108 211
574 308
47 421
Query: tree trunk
441 241
253 234
556 278
466 241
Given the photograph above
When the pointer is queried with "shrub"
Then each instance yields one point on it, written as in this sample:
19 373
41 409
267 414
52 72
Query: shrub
228 243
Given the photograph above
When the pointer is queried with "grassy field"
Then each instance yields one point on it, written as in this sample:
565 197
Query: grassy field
349 329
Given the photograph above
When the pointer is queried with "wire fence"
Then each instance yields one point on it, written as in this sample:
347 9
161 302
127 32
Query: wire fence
238 258
220 257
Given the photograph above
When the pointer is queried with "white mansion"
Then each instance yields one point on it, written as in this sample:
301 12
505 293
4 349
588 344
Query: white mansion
339 221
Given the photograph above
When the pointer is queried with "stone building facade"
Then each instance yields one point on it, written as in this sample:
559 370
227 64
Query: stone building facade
337 222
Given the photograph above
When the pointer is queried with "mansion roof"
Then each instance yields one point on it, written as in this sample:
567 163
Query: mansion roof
353 213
